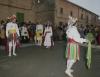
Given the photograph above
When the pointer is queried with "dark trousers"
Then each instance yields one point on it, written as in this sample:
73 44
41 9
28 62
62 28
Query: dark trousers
24 39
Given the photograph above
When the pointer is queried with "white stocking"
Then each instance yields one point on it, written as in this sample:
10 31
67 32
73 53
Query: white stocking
14 47
69 66
10 48
70 63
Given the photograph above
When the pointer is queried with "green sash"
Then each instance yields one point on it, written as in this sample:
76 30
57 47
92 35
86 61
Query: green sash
88 55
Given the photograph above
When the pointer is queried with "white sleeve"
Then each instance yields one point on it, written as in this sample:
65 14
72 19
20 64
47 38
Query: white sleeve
51 31
74 34
78 38
7 28
17 29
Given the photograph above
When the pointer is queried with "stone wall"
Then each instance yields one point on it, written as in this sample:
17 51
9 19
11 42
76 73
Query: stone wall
9 7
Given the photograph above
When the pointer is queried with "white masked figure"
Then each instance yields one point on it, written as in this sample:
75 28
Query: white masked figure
12 34
48 36
72 49
39 34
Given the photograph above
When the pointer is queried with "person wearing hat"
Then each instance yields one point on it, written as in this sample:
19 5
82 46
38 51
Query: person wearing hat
72 49
12 34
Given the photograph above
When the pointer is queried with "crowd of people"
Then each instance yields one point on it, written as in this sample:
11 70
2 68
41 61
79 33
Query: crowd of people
31 32
86 31
28 32
12 34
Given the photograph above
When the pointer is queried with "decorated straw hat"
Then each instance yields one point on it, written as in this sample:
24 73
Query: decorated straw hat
13 17
8 18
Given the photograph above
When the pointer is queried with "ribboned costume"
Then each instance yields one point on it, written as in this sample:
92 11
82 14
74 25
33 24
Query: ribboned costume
12 34
72 49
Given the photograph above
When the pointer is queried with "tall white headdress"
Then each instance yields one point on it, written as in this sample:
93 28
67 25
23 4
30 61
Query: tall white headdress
71 21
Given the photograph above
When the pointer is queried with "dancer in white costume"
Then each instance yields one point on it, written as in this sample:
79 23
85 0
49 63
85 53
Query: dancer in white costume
39 34
12 34
72 49
48 36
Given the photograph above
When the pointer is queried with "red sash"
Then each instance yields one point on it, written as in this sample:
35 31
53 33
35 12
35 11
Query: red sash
71 41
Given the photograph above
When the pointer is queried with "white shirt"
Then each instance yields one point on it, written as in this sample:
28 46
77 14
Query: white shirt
73 33
48 30
24 31
12 26
39 27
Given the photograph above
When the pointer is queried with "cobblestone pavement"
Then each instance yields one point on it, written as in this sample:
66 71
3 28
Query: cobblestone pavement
34 61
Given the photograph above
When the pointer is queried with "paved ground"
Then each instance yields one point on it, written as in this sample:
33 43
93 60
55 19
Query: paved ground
33 61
